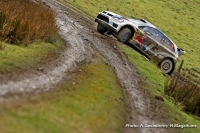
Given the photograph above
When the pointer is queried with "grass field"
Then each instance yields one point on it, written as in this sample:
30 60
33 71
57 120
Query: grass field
90 102
14 57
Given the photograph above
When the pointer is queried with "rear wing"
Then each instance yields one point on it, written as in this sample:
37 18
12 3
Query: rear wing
181 51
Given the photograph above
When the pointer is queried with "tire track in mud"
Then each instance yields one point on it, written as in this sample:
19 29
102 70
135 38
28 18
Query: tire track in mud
79 32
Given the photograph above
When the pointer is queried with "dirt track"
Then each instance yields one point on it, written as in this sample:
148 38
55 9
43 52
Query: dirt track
79 31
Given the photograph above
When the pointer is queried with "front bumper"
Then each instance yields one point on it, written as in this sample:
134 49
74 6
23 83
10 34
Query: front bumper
107 22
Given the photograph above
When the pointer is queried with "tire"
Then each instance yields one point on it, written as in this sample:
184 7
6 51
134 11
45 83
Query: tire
101 28
167 66
124 35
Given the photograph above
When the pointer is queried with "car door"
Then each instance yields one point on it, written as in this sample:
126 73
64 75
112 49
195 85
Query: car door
157 44
152 41
163 46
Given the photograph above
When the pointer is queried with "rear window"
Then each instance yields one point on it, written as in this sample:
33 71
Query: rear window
168 43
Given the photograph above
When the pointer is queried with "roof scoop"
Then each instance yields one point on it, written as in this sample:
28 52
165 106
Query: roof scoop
143 20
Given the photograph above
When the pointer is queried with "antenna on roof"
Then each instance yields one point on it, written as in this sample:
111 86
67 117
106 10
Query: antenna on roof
143 20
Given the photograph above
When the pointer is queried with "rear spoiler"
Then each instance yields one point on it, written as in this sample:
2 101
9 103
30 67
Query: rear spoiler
181 51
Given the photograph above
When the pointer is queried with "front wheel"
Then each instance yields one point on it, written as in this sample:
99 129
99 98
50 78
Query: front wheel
167 66
101 28
124 35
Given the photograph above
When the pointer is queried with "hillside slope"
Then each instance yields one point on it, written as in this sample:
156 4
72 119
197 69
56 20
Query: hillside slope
177 19
83 41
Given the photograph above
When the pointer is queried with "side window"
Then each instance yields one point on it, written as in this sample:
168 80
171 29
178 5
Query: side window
154 33
157 35
146 29
168 43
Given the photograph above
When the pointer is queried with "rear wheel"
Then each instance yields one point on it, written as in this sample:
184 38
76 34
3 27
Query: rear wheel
124 35
167 66
101 28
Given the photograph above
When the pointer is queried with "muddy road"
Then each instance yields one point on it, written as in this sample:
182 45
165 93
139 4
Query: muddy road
79 32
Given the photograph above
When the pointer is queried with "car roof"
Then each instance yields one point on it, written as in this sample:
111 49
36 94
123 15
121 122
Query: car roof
141 22
137 22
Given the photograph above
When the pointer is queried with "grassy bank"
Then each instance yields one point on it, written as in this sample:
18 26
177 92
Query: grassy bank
18 57
90 102
24 21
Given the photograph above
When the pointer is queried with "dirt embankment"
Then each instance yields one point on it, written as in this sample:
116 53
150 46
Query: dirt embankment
79 32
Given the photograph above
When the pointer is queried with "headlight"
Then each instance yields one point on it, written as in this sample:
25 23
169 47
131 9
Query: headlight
118 18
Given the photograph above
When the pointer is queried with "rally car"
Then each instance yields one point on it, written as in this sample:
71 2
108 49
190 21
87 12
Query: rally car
142 34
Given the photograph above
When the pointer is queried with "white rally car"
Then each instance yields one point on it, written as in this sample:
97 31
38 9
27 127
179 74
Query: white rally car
157 46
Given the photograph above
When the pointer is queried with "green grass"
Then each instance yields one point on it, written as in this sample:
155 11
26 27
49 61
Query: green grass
179 117
18 57
90 102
